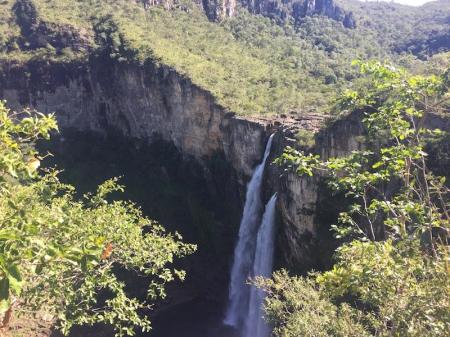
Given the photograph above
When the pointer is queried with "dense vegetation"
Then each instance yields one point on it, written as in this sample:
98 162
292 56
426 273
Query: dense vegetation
391 276
59 255
250 63
423 31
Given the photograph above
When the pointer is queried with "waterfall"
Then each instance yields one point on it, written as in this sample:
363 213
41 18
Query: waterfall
244 252
255 326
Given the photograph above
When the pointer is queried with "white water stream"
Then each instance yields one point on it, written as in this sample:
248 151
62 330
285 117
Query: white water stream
255 325
253 256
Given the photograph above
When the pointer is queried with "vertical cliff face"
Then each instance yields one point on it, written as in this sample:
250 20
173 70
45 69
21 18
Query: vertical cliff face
298 9
217 10
149 102
307 208
148 107
139 102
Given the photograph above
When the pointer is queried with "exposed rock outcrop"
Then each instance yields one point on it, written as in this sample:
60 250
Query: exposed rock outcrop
306 206
139 102
298 9
217 10
149 102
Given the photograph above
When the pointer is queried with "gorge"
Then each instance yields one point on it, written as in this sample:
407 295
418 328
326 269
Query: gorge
219 151
191 104
147 104
147 115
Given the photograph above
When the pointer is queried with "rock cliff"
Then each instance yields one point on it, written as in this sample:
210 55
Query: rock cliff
148 103
154 102
298 9
139 102
279 10
307 207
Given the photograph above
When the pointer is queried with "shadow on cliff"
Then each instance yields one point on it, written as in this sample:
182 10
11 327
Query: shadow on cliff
202 203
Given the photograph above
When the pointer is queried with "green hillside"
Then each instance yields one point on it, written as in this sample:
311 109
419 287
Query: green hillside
249 63
423 30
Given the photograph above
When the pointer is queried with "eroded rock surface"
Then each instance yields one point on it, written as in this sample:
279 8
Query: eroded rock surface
139 102
149 102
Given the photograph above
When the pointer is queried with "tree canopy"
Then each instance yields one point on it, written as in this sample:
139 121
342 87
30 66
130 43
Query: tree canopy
251 64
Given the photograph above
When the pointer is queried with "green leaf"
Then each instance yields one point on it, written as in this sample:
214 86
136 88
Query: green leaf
8 235
15 278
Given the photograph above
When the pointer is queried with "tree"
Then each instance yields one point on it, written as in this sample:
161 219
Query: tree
392 275
58 254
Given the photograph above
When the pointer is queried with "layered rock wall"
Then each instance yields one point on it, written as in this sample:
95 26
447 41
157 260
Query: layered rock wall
298 9
139 102
306 206
149 102
217 10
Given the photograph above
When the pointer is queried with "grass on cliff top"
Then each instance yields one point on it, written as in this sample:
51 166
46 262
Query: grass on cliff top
244 78
251 65
8 30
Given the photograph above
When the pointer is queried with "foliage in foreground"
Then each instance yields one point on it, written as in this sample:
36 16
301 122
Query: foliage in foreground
58 254
392 273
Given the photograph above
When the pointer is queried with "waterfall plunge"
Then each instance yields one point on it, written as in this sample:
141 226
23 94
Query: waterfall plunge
244 253
255 326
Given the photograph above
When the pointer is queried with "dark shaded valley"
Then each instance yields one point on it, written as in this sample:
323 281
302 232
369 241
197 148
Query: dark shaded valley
174 192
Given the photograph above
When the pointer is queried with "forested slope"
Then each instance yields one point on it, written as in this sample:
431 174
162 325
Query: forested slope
252 64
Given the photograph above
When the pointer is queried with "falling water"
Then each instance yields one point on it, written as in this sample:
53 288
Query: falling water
255 326
244 252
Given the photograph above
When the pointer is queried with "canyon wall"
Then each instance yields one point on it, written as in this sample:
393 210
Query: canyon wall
306 206
141 102
280 11
149 102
